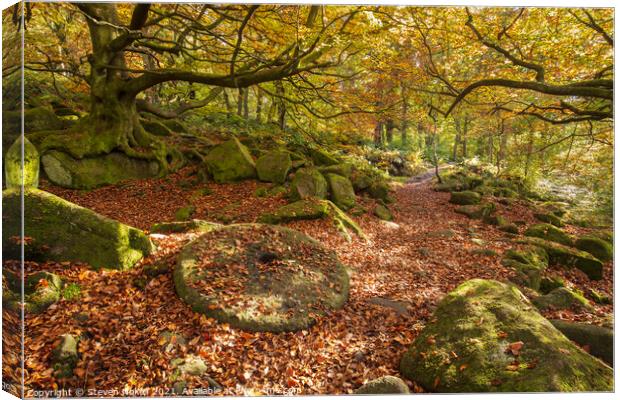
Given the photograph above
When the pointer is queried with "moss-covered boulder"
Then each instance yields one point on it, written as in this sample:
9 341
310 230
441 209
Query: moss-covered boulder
274 166
261 277
65 356
380 190
562 298
35 119
509 227
308 182
322 157
16 173
598 339
230 161
549 232
549 219
185 213
341 191
343 169
569 257
476 211
88 173
313 208
309 208
58 230
184 226
41 290
465 198
529 265
485 336
497 220
385 385
382 212
549 283
599 248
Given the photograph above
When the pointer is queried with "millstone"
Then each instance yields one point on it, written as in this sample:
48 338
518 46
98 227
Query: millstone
261 277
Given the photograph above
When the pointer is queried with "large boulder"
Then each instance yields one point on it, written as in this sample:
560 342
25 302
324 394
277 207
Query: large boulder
599 248
308 182
58 230
549 232
529 265
261 277
341 191
230 161
465 198
549 218
274 166
91 172
562 298
15 172
385 385
485 336
476 211
599 339
302 209
41 290
568 257
184 226
322 157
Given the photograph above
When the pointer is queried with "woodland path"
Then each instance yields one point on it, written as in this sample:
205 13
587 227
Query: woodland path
399 274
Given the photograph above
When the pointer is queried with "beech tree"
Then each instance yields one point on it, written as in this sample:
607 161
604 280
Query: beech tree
204 44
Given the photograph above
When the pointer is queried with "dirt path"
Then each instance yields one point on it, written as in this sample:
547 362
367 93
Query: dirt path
398 276
428 175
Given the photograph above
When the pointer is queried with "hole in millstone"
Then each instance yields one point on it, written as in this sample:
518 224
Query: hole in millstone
267 257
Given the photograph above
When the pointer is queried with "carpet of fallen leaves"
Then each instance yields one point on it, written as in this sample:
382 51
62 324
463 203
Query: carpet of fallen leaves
426 252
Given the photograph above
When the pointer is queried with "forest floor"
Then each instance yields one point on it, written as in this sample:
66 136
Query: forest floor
399 275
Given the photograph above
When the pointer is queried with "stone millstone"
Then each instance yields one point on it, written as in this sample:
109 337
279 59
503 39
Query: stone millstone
260 277
485 336
59 230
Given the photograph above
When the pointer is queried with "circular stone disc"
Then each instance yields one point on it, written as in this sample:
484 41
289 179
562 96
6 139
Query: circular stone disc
260 277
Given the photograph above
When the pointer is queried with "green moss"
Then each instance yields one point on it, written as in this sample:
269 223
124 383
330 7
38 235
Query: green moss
464 347
562 298
547 284
91 172
496 220
308 182
476 211
343 169
322 157
230 161
63 231
184 226
465 198
549 232
569 257
341 191
379 190
529 264
17 173
71 291
184 213
595 246
309 208
65 356
600 340
549 219
382 212
274 166
600 298
155 128
384 385
174 125
509 228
